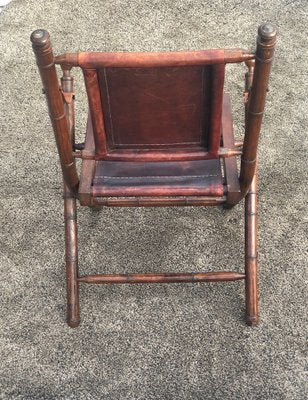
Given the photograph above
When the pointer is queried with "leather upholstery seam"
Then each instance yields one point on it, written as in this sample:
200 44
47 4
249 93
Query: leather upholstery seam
153 177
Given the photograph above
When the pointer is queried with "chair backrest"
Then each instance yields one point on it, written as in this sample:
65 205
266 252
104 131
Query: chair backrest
157 106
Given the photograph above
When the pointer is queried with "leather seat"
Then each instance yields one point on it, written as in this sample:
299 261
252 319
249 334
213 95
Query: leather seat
176 178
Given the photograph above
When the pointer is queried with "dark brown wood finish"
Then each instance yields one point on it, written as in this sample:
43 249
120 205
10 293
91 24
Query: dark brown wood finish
67 85
162 155
70 214
71 258
255 106
248 79
169 155
158 132
96 112
251 253
164 278
87 167
229 164
218 76
45 60
95 60
161 201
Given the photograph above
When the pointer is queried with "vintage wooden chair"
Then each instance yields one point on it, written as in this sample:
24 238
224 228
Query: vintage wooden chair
159 130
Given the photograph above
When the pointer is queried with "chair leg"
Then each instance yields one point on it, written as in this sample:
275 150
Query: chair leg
71 258
251 254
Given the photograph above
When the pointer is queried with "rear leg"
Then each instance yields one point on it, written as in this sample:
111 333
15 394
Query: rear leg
71 258
251 254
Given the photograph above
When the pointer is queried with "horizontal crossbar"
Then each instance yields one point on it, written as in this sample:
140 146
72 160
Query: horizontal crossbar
163 278
159 201
145 155
89 60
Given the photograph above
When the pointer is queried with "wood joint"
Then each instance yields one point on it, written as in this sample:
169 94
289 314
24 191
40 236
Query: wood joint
70 218
84 155
68 196
48 65
264 61
68 96
255 113
238 143
225 152
58 118
71 259
248 161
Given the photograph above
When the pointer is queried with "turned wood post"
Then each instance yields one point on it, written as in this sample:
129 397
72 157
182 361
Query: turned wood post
67 85
71 258
266 41
248 83
70 213
45 60
251 252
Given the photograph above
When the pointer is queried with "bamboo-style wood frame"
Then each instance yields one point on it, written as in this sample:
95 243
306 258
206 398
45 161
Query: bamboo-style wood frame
257 88
94 60
60 101
58 115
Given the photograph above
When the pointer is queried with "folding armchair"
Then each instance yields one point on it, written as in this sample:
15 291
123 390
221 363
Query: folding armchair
159 133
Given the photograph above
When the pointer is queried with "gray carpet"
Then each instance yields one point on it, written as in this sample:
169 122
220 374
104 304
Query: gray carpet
151 342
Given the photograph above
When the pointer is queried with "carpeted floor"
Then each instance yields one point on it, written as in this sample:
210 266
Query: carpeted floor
151 342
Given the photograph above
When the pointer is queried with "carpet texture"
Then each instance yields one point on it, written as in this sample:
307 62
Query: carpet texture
151 341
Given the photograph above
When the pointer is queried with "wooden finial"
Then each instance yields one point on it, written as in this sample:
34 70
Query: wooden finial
39 37
267 31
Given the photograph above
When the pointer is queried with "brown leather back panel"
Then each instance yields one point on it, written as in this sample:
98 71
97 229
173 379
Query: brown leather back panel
156 108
